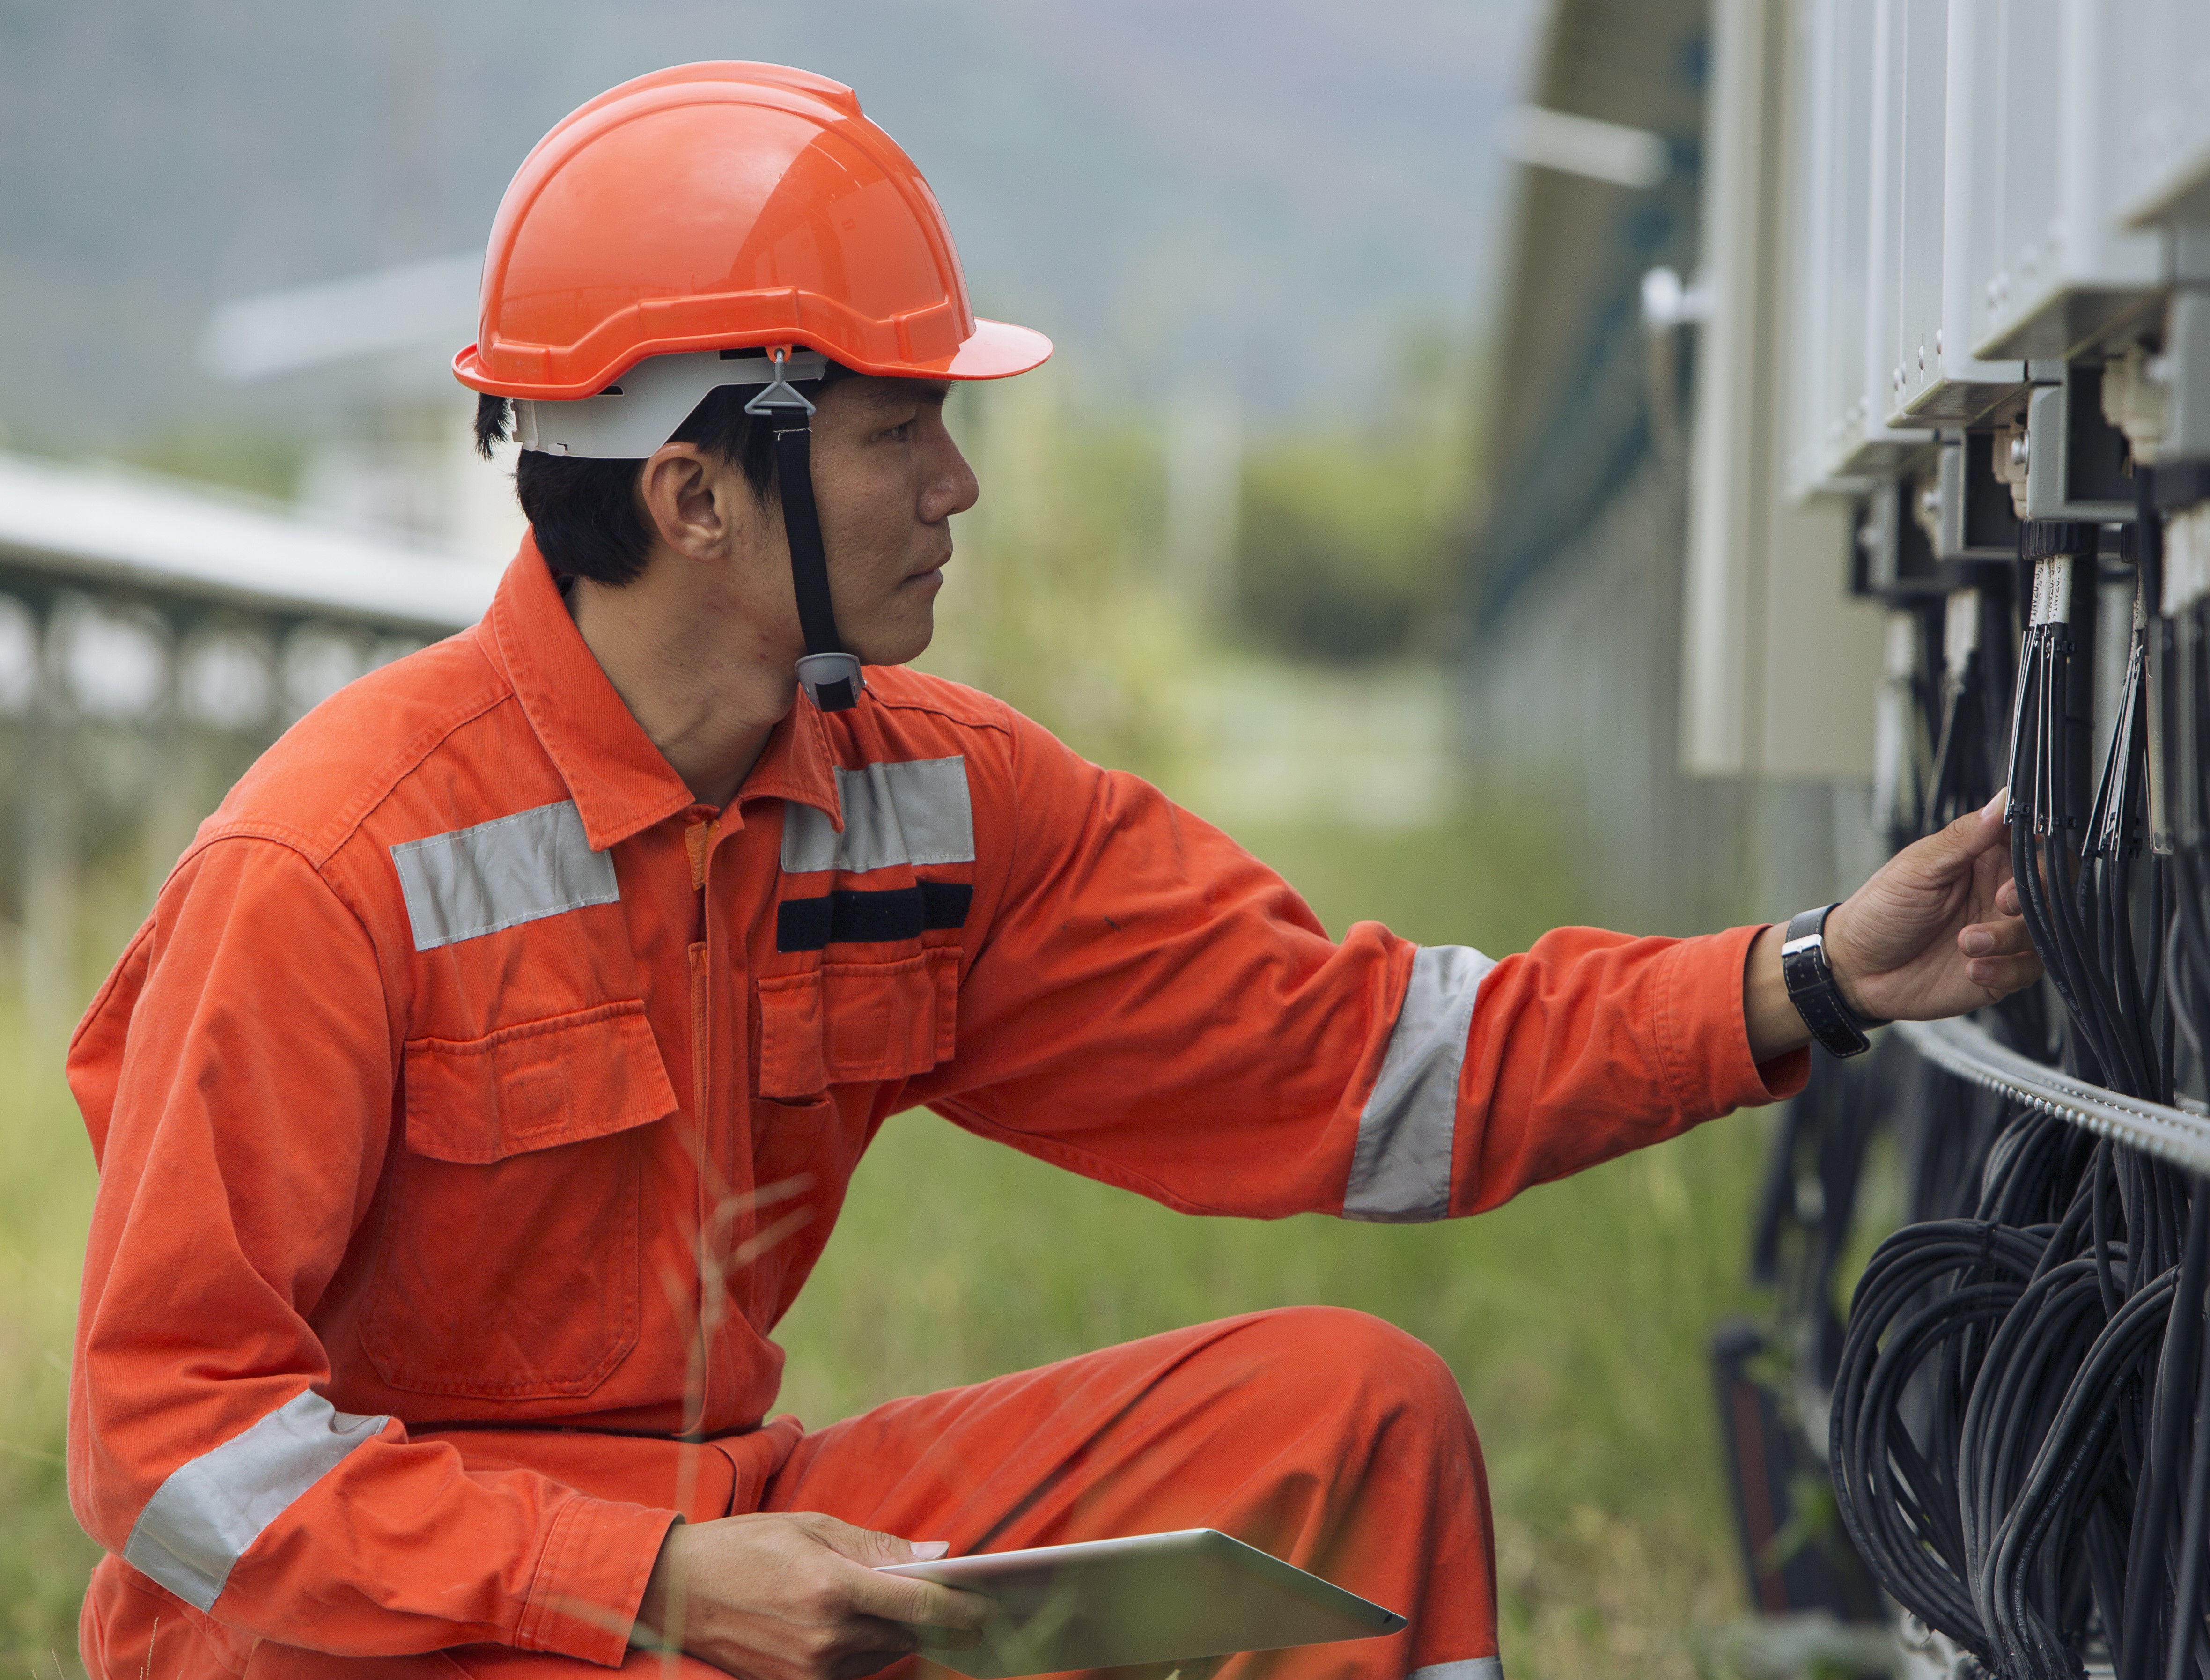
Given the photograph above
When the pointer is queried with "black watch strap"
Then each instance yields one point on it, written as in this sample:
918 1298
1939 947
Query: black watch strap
1812 987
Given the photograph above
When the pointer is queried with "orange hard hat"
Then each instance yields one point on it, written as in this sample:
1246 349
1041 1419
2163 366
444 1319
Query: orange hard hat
723 205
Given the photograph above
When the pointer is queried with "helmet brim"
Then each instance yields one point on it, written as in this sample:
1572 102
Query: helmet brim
997 350
994 350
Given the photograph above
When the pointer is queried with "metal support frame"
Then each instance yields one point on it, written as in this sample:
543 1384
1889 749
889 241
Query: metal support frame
2181 1136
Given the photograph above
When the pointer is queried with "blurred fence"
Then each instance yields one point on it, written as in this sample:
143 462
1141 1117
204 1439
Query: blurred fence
153 639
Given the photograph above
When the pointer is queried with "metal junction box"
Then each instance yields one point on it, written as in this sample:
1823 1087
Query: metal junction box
2057 271
1830 218
1872 445
1946 139
2161 168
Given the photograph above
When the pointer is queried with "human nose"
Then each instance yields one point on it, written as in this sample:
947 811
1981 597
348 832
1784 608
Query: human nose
948 483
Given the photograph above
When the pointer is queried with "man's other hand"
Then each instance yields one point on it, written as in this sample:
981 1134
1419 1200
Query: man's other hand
1935 933
797 1598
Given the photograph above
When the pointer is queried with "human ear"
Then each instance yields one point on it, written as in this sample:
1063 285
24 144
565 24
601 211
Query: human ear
684 495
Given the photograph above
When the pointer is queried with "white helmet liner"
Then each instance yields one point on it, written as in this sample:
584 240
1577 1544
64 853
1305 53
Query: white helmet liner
637 414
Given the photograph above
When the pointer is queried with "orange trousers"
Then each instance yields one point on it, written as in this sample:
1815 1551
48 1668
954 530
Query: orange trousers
1323 1437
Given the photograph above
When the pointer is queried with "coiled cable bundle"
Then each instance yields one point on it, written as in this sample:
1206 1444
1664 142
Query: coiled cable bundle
2018 1426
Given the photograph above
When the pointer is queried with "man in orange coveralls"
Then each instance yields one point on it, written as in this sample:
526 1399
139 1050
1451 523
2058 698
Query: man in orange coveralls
488 1077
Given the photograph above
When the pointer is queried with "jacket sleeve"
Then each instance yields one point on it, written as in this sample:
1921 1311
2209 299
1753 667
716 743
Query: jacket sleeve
237 1076
1151 1006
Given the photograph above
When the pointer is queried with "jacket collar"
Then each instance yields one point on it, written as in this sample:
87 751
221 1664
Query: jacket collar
618 778
797 764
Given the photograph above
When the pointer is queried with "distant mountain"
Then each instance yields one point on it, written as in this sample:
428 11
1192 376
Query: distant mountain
1174 190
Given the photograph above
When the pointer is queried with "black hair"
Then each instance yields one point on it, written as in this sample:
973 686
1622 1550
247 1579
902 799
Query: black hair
584 513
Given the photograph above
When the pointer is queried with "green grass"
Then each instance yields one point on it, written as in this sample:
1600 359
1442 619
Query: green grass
45 1199
1575 1317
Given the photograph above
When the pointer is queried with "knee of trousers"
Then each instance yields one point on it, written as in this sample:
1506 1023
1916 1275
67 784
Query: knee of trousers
1335 1361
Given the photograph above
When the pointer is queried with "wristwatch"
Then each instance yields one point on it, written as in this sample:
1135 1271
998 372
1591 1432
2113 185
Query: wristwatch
1814 992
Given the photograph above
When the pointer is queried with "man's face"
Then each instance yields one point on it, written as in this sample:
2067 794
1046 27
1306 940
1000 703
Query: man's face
887 478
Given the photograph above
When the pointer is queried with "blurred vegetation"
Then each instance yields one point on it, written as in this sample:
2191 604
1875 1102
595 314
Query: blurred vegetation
1347 538
1338 559
1066 602
45 1201
237 456
1058 601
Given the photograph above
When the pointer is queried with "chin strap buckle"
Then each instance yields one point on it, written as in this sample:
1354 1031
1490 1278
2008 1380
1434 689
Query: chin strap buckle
832 681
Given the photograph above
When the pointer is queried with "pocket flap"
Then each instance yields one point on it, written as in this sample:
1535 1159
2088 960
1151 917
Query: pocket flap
535 1085
846 1023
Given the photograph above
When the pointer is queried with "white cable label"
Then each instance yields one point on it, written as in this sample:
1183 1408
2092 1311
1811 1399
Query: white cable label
2052 589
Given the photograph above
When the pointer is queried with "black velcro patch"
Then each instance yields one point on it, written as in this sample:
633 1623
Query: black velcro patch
848 917
944 904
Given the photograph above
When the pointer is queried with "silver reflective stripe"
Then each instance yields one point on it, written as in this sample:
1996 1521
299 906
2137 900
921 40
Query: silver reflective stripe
477 881
916 812
200 1521
1473 1668
1400 1171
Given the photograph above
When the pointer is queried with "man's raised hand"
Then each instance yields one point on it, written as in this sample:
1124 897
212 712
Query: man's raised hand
1934 933
1937 930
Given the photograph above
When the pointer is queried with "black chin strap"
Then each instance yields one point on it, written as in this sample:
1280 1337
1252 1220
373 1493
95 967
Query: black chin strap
830 675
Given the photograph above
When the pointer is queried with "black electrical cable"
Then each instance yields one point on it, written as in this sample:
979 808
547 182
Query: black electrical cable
2018 1424
2173 1401
2188 1585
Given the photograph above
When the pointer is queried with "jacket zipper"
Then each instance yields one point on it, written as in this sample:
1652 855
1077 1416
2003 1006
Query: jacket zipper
700 844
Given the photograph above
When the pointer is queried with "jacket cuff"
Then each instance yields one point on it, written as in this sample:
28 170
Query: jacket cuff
590 1579
1705 1037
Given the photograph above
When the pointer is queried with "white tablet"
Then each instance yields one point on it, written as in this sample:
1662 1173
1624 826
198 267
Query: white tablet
1143 1598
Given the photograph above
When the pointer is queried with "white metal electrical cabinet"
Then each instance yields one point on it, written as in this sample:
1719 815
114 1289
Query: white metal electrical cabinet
1870 446
1918 99
1822 237
1756 698
2058 269
2163 128
1830 124
2015 86
1941 381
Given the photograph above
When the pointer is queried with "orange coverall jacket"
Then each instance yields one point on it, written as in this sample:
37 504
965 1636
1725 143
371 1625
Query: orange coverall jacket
469 1073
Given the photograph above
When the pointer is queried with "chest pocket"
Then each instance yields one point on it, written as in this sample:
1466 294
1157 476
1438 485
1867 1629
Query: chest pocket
853 1022
846 1021
508 1263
